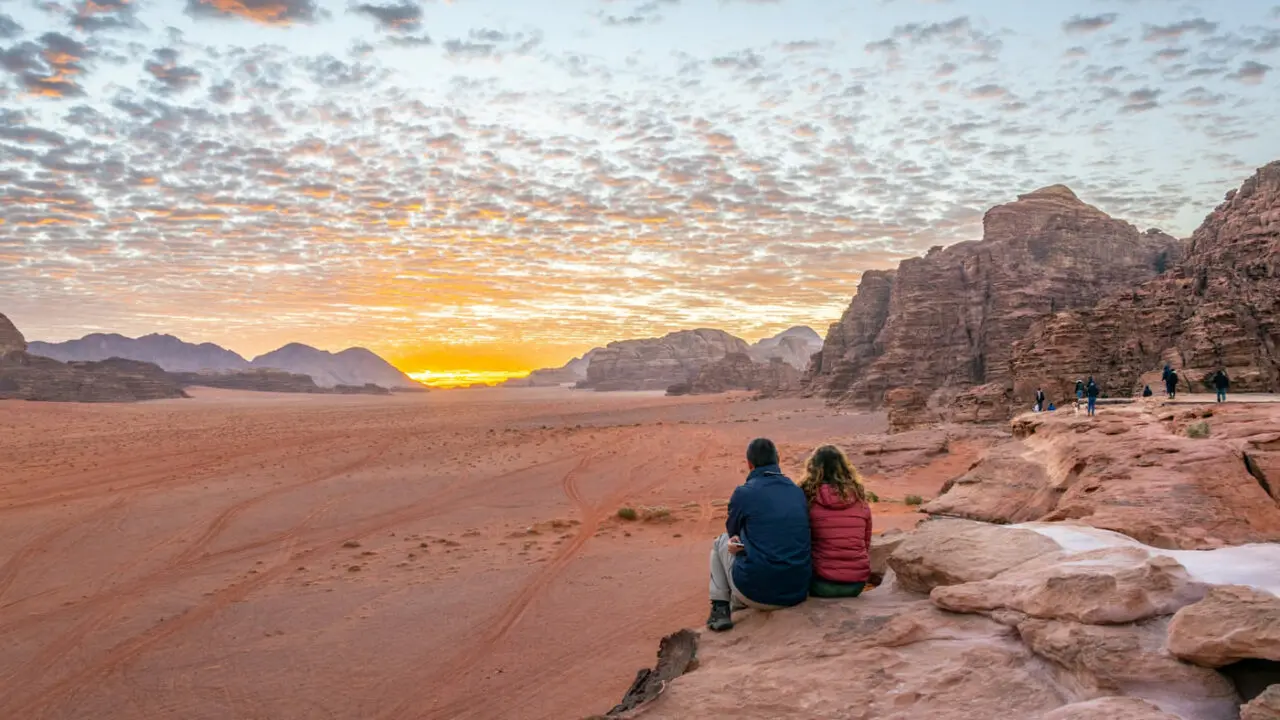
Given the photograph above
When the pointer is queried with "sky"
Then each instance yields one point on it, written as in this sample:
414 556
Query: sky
491 186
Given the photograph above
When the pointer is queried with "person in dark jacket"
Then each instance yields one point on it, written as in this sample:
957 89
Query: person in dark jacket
1091 390
1220 383
839 525
762 561
1146 391
1171 383
1039 400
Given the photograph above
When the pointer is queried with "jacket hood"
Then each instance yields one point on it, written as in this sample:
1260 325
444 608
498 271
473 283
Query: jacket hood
829 497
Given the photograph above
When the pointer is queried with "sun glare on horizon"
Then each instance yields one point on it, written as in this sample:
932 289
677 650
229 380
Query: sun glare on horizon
446 379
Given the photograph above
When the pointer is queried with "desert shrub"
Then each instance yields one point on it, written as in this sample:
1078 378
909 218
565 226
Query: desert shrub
872 497
627 513
1198 430
652 514
914 500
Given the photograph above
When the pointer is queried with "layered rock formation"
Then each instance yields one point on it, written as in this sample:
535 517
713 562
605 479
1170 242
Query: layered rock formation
739 371
167 351
949 320
29 377
794 346
1133 470
658 363
569 374
1218 307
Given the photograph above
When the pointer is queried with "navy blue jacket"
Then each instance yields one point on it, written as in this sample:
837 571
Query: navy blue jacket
771 516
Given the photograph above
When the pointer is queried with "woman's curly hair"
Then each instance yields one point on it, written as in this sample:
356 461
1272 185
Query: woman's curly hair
829 466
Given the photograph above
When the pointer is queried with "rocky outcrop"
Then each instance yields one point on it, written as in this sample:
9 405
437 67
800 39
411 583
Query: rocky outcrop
272 381
567 375
1132 469
353 366
30 377
738 371
167 351
1233 623
11 340
1094 649
794 346
658 363
952 317
1218 307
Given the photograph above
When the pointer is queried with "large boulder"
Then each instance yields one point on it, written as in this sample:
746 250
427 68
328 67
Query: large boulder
1107 585
1230 624
951 552
658 363
1131 660
952 317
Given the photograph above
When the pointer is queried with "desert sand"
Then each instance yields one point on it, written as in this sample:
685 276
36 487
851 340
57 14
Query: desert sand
451 555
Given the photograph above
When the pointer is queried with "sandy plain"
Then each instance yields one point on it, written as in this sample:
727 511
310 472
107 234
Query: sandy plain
447 555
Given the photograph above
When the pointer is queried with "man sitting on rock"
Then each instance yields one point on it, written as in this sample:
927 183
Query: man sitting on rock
763 561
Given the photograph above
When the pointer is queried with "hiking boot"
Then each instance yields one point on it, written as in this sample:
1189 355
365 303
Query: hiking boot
721 616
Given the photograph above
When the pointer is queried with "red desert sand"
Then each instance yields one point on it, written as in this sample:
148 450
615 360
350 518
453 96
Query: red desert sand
451 555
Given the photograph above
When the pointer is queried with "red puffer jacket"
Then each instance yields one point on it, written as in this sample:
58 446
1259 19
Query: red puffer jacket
841 532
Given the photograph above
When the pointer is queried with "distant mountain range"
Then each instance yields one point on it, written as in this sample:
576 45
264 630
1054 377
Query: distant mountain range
353 366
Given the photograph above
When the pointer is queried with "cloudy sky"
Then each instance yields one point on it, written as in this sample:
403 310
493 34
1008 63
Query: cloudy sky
502 184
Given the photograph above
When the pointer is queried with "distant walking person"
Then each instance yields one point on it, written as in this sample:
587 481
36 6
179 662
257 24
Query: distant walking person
1079 389
1221 382
763 560
1039 400
1171 383
1091 390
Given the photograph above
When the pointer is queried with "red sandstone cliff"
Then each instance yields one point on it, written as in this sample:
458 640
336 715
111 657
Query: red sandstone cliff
1219 307
949 320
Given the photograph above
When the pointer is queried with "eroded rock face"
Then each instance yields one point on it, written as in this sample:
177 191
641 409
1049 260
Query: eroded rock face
1132 470
1232 623
11 340
659 363
952 316
1108 585
850 345
571 373
951 552
738 371
1219 307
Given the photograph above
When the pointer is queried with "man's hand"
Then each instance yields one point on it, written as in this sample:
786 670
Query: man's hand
735 545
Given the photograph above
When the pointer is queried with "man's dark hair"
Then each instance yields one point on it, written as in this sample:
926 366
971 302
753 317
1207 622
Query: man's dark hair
762 452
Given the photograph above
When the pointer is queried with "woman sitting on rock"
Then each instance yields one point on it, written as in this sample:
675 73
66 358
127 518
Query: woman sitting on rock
839 523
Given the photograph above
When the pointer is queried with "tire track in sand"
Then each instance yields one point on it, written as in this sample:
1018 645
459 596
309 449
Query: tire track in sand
128 651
